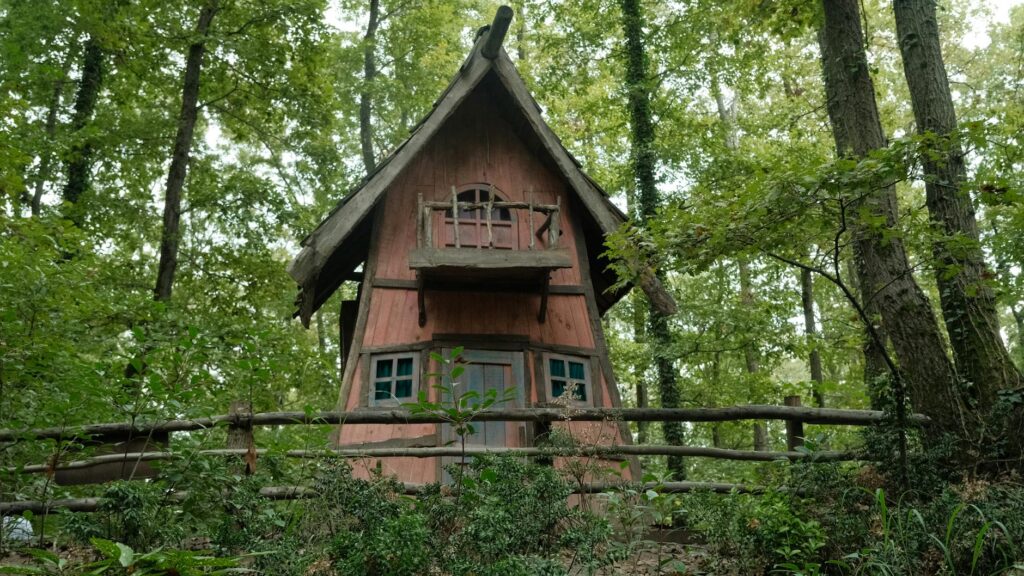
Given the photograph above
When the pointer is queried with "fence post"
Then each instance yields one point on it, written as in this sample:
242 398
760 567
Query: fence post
760 437
794 428
240 434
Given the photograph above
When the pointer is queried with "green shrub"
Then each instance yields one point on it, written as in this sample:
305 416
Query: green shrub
511 517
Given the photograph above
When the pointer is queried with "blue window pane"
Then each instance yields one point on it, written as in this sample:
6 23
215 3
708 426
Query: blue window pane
557 388
403 388
557 368
581 392
405 366
576 371
384 368
382 391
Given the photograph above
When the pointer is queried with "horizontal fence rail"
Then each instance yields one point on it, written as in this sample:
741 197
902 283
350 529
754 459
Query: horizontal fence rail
807 415
302 492
610 451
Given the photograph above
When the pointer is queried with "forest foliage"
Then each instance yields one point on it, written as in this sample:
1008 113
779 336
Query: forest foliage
751 216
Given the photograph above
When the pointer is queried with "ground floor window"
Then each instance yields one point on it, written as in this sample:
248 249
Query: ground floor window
568 377
395 379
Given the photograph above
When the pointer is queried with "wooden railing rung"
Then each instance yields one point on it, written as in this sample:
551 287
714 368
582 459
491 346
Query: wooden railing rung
805 414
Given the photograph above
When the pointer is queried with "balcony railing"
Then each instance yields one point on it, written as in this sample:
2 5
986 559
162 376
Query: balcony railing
548 231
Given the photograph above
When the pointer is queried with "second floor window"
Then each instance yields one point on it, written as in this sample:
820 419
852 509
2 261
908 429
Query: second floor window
473 231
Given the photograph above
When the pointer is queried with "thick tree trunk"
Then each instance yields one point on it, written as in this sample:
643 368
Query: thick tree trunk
180 155
643 160
80 161
366 95
885 277
968 304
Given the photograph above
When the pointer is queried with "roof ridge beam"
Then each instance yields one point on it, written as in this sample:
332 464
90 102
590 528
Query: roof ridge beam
496 33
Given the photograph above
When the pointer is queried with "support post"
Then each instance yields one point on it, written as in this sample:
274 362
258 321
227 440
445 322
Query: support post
490 208
421 299
529 215
455 218
554 231
419 221
543 314
794 428
428 227
240 435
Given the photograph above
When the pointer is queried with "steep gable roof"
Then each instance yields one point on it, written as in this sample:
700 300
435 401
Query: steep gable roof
338 245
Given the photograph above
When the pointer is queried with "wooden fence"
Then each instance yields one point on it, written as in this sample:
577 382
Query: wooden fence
241 442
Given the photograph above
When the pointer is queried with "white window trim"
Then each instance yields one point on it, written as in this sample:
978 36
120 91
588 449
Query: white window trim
393 379
588 380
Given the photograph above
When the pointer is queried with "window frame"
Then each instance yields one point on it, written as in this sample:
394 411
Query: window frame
479 220
587 382
372 379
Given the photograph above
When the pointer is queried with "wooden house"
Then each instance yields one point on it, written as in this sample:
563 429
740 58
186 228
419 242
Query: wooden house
479 231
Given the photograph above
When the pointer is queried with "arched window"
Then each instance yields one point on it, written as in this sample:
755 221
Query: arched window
473 231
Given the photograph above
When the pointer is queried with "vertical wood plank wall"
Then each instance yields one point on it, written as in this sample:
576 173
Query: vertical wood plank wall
475 146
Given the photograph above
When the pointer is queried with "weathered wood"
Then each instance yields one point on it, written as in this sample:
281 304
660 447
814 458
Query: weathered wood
542 314
555 228
421 300
487 259
496 33
426 447
320 244
455 217
490 231
420 241
428 226
240 430
834 416
117 467
794 428
530 216
300 492
398 283
445 206
365 300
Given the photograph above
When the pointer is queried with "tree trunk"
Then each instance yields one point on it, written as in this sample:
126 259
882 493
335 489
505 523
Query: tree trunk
80 160
968 303
643 160
365 95
1018 317
750 355
180 155
811 331
885 277
46 155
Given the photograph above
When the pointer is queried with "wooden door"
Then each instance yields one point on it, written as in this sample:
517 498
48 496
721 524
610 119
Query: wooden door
488 370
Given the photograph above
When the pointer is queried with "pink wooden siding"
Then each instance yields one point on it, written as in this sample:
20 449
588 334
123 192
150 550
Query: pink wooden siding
475 146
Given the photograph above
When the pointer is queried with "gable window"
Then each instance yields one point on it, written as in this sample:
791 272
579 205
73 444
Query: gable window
473 231
394 379
569 377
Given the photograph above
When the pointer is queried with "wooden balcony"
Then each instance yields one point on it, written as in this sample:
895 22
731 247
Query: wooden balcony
481 248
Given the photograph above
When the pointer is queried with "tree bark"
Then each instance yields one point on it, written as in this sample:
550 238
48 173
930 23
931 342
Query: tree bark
884 273
811 331
79 164
171 234
46 156
365 95
968 303
643 160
